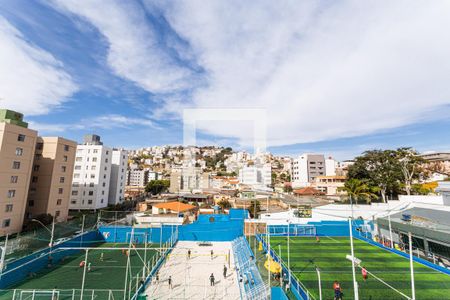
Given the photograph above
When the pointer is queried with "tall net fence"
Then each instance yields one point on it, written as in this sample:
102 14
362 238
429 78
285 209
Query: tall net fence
26 243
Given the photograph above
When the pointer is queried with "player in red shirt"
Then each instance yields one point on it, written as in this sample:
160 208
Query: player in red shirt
364 273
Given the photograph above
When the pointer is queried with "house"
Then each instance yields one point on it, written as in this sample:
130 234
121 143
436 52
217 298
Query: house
308 191
174 207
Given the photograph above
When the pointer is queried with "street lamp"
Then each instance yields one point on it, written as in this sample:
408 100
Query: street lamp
51 231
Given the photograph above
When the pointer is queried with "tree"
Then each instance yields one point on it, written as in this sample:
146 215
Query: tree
156 187
379 168
255 207
224 204
287 188
356 189
411 166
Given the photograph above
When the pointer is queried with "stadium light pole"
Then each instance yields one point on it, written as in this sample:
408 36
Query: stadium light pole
390 230
355 284
320 282
411 265
52 232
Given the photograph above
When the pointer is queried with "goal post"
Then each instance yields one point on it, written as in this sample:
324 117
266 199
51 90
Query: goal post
38 295
292 230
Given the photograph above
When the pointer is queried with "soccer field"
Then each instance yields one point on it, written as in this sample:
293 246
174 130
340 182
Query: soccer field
105 280
329 255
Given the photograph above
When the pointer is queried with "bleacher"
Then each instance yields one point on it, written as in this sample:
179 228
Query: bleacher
250 281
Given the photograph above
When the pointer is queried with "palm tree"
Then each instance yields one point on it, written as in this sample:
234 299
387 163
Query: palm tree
356 189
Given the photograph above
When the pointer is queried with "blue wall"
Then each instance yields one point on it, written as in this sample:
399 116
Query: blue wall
212 228
18 270
122 234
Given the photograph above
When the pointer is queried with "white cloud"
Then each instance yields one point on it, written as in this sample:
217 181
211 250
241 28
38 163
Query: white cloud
109 121
32 81
134 50
321 71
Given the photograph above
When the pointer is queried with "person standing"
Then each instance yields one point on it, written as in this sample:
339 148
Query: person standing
189 254
337 290
211 279
364 273
170 282
212 254
225 271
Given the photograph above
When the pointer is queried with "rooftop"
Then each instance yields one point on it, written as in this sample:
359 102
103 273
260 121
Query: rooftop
175 206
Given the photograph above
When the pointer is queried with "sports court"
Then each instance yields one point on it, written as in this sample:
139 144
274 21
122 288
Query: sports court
191 275
111 274
389 273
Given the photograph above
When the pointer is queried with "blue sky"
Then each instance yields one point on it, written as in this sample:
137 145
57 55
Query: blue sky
334 77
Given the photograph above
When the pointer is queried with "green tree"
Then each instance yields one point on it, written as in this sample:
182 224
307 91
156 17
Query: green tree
255 207
156 187
224 204
378 168
356 190
411 166
287 188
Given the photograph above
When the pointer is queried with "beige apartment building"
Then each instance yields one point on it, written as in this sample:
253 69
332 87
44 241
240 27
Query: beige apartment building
17 144
51 178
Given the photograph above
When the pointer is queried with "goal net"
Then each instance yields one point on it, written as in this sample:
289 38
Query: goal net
293 230
39 295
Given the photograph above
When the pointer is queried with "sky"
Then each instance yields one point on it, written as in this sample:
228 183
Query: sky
334 77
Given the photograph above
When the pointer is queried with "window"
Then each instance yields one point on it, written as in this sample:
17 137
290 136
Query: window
31 203
107 152
66 147
34 179
73 202
58 202
75 184
14 179
36 168
101 201
19 151
65 158
93 168
8 208
103 184
21 138
89 201
61 179
37 156
39 146
60 190
32 190
78 159
95 151
11 193
91 184
77 167
57 213
74 193
6 222
91 193
103 192
92 176
106 168
16 165
104 176
94 159
106 160
63 169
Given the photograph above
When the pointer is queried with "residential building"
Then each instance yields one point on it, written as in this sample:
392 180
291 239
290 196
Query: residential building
306 168
51 178
17 144
119 160
330 166
186 179
137 177
91 175
329 184
257 176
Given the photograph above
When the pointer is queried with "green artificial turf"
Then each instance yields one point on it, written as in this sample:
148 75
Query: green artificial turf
105 275
329 255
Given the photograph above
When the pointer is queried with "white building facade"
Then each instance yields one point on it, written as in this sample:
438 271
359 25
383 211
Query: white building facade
306 168
258 176
91 175
118 176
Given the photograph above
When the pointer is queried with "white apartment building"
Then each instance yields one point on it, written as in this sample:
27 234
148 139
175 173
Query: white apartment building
306 168
91 175
330 166
258 176
118 176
